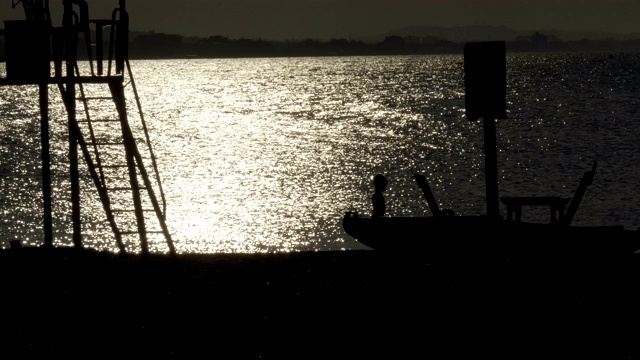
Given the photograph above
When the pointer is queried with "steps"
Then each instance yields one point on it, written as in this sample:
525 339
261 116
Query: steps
106 125
117 151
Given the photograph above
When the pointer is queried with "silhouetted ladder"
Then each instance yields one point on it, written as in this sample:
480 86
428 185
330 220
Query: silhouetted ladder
116 151
113 155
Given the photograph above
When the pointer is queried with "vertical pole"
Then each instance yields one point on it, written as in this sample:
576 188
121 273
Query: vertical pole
73 167
46 164
485 81
70 61
99 49
491 167
122 38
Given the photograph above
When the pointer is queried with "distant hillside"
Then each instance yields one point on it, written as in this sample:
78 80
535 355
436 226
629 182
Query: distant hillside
404 41
491 33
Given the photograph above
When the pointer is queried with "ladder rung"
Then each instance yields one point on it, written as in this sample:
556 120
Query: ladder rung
115 166
127 188
129 210
137 232
99 120
95 98
106 143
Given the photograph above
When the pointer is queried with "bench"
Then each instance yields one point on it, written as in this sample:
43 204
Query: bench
556 205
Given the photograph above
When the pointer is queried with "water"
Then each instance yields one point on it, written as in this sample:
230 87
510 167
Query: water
267 154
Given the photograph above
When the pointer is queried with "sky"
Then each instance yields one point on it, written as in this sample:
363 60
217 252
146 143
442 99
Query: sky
350 19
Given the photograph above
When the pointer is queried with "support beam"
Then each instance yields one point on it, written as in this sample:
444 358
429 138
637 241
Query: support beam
46 164
70 59
491 167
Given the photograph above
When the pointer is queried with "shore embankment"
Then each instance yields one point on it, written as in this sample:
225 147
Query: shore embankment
329 304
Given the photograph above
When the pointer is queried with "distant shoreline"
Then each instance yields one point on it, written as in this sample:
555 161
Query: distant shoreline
169 46
158 46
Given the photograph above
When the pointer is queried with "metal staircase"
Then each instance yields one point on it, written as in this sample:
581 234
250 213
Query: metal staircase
115 146
118 151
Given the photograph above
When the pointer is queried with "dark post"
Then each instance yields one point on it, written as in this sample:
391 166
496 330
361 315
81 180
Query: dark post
99 47
485 80
46 164
70 61
122 37
491 167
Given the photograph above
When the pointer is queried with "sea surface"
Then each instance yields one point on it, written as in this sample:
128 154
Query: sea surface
267 154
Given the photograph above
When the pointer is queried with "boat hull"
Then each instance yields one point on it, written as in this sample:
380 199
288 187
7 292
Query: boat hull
450 237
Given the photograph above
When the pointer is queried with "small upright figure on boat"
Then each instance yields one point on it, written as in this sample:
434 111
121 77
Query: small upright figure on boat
380 185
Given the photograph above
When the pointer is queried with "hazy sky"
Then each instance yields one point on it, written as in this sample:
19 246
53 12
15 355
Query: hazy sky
324 19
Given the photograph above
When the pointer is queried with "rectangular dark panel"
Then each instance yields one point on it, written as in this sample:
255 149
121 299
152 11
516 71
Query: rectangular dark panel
485 80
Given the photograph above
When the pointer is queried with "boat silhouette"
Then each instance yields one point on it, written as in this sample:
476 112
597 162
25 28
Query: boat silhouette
446 236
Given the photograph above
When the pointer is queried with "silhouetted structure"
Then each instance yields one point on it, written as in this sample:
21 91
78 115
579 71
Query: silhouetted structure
127 192
491 237
485 82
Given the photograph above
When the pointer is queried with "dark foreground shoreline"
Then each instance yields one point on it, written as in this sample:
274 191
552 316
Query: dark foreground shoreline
331 304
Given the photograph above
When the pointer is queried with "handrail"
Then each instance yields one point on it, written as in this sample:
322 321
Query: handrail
147 138
423 184
35 10
587 179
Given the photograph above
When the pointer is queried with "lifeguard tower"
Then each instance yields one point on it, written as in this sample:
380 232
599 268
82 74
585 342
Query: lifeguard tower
72 57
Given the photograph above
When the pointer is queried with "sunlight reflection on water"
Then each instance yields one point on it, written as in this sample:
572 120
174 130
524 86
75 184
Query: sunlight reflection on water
267 154
272 150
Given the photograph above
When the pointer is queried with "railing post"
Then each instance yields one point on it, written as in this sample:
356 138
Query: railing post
70 91
46 164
